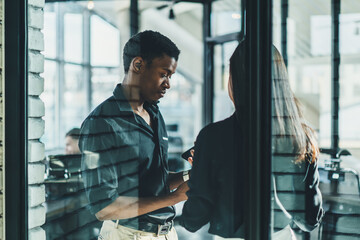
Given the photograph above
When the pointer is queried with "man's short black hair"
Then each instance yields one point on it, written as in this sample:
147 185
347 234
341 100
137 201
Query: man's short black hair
73 133
148 45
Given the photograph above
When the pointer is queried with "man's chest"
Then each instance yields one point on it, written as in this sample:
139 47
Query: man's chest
138 135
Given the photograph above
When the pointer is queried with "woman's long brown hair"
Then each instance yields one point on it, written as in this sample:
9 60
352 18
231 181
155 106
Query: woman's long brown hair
287 119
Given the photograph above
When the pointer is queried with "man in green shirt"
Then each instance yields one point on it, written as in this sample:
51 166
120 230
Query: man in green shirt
124 144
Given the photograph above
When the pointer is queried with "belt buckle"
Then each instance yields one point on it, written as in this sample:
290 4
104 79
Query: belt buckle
164 229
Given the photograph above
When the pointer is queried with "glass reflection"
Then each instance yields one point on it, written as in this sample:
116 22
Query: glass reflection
74 105
296 198
309 51
67 101
222 104
104 51
51 105
73 37
50 32
103 81
226 17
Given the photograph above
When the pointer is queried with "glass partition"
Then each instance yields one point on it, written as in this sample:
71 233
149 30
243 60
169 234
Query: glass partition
49 97
182 106
83 65
226 17
103 49
82 60
223 107
74 103
103 81
297 198
349 83
84 44
73 37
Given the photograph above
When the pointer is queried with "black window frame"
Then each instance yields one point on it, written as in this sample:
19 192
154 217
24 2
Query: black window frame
15 110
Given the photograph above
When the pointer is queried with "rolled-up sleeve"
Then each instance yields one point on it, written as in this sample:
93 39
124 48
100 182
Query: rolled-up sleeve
198 208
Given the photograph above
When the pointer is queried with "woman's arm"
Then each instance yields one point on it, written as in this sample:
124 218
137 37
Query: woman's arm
198 208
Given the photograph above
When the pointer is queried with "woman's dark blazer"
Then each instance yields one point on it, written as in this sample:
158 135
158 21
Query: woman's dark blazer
216 193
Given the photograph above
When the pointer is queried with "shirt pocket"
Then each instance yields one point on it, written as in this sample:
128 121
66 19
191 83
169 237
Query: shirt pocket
164 147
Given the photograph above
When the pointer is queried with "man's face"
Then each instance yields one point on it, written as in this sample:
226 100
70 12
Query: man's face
71 145
155 79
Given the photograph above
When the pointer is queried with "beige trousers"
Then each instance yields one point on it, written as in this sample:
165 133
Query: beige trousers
113 231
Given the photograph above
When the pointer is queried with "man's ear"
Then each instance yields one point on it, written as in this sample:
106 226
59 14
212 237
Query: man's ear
137 65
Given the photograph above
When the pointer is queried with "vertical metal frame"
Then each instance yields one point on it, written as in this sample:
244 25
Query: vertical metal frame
134 17
15 98
243 18
335 67
257 118
209 46
208 88
284 16
87 57
60 68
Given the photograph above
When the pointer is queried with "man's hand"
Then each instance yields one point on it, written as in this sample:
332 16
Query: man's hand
180 192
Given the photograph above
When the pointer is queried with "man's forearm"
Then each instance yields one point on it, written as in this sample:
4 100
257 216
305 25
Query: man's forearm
129 207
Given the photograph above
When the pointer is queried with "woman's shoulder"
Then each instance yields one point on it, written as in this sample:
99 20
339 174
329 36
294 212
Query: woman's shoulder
219 128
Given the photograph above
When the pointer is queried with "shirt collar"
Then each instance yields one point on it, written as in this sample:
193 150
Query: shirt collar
152 108
121 100
124 104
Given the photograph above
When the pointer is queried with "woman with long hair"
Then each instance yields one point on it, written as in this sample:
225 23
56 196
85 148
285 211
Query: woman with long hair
217 182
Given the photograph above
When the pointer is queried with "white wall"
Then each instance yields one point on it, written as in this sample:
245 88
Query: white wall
36 127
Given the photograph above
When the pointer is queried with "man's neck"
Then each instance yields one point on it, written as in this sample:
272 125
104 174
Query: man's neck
132 94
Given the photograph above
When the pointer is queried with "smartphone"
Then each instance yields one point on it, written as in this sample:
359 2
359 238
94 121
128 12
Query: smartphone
187 154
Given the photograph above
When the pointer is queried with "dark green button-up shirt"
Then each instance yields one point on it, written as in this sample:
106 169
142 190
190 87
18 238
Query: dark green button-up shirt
124 156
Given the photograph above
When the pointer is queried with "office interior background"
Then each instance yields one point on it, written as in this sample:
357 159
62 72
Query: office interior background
75 61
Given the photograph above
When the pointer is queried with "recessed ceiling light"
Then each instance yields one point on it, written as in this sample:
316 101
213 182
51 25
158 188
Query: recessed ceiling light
90 5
